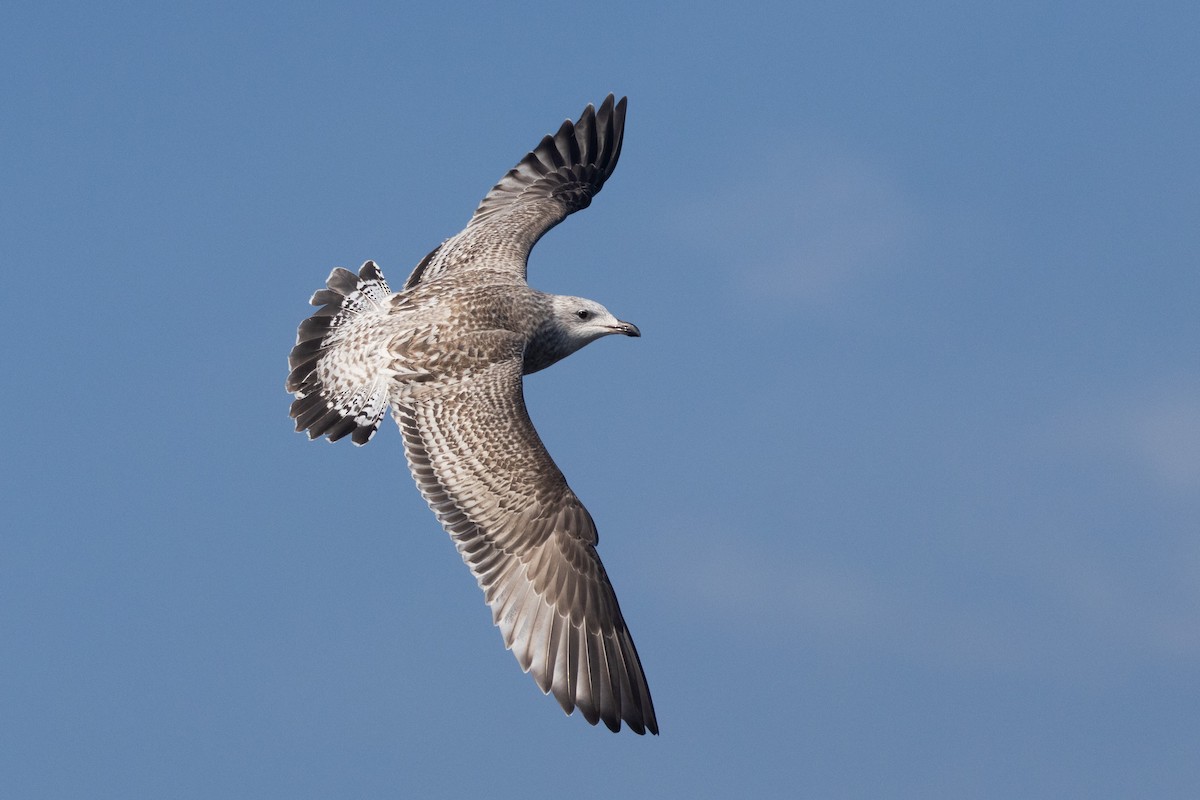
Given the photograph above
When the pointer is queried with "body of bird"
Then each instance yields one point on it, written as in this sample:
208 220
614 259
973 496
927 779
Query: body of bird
446 354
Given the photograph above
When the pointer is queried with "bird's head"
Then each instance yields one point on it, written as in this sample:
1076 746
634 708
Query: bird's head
582 320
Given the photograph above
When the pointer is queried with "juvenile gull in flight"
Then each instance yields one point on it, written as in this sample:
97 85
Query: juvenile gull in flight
447 354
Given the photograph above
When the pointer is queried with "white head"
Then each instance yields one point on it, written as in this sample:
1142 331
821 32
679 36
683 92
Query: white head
572 323
580 320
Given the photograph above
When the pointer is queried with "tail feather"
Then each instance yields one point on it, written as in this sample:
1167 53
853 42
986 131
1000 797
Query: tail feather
328 404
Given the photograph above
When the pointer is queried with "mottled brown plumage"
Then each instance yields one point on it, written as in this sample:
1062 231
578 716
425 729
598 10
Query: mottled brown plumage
447 355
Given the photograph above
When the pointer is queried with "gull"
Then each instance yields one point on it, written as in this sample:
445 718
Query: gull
446 355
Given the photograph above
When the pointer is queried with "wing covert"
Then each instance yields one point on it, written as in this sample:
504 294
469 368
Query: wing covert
528 540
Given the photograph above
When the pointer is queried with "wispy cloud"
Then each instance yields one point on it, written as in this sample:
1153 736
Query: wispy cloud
1164 435
749 582
1023 569
1155 429
804 227
1040 602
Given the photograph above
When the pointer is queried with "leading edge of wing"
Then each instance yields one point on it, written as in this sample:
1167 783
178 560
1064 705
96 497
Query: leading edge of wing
554 180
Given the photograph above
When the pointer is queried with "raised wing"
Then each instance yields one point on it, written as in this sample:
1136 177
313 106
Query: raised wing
557 178
528 540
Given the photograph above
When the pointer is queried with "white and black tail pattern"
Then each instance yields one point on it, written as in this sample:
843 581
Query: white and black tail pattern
352 402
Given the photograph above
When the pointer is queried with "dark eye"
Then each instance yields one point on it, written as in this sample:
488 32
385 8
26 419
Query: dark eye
583 313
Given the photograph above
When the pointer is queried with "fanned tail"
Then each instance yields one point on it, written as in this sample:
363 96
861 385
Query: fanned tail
336 392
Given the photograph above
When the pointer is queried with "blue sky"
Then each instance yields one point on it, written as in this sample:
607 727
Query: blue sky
900 490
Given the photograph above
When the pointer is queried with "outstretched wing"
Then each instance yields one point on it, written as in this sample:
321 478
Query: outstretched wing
528 540
559 177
